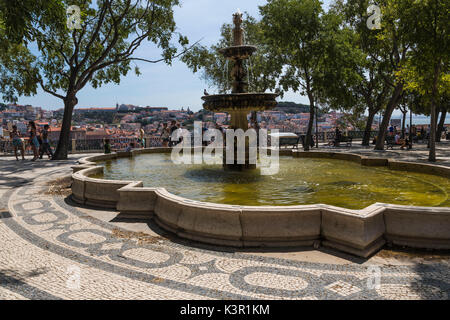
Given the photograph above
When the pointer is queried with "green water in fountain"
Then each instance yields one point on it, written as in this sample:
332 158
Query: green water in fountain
299 182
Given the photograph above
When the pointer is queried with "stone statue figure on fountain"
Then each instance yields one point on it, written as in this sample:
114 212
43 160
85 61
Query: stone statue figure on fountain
238 32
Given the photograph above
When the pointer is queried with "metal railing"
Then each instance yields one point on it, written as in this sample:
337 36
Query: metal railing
331 135
97 145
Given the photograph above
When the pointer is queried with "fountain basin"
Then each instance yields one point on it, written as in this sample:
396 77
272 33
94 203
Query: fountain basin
360 232
240 102
238 52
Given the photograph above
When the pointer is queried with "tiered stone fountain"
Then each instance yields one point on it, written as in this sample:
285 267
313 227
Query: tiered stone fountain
239 103
309 203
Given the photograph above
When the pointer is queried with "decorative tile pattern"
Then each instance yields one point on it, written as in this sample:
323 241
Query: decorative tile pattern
343 288
51 250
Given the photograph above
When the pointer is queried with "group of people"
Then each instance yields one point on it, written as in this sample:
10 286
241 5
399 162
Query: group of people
337 138
166 134
403 139
38 142
108 148
398 137
403 142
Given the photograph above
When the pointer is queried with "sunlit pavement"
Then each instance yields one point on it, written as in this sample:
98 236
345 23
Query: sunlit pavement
52 249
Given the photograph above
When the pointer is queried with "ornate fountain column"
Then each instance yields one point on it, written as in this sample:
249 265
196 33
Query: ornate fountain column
239 117
239 103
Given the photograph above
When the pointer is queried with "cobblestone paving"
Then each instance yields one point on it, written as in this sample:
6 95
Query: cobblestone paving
52 250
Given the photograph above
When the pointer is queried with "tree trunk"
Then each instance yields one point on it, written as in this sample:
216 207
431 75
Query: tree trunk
441 124
410 129
395 98
308 139
368 129
64 137
404 124
432 138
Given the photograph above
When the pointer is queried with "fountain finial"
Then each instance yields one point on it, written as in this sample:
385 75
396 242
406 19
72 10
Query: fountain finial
238 31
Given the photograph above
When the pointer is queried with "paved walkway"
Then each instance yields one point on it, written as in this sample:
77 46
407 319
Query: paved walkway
53 249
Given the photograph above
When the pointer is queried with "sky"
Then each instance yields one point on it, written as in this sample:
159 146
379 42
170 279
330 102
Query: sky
159 84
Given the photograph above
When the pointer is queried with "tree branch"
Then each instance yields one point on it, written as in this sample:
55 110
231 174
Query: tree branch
87 74
105 7
49 91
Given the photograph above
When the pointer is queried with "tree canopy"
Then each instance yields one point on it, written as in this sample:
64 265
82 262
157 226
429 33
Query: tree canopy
62 61
216 70
426 70
315 50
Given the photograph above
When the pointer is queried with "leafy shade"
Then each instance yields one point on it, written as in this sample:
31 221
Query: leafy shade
100 52
315 52
426 70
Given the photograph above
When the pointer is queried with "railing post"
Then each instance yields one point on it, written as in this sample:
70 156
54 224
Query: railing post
74 145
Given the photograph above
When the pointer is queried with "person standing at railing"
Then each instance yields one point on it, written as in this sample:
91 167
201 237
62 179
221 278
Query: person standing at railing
34 142
45 148
173 128
107 146
142 137
130 147
337 137
17 142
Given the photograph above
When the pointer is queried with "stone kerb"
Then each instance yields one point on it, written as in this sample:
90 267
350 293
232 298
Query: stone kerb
206 222
419 227
280 226
79 181
359 232
136 202
420 168
329 155
95 192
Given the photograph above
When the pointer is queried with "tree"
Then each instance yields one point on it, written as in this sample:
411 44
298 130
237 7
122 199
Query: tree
426 70
356 120
100 52
394 44
404 110
371 92
315 52
16 20
216 70
444 108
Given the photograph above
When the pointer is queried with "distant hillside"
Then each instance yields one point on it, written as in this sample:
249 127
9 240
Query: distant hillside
292 107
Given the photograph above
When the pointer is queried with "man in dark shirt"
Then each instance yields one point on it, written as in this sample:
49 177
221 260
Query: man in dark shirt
338 137
173 127
107 146
45 147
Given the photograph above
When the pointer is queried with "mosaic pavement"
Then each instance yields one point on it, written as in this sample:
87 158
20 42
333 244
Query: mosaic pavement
52 250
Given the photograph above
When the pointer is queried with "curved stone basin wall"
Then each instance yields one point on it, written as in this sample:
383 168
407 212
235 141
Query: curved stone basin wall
359 232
